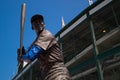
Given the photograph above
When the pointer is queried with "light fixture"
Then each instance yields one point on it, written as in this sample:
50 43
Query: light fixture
103 30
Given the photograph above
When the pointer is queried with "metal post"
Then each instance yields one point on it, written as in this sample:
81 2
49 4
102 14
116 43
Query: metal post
60 43
100 72
22 78
116 20
30 74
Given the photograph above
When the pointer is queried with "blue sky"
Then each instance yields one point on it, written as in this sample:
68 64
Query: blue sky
10 12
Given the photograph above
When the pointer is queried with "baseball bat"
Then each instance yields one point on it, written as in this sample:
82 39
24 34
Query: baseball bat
22 23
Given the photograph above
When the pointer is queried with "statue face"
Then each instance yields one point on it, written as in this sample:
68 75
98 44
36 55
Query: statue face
37 25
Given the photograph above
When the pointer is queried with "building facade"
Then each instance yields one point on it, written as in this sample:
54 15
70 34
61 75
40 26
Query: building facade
90 44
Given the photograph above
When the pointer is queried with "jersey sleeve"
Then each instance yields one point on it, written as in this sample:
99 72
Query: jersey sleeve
32 53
